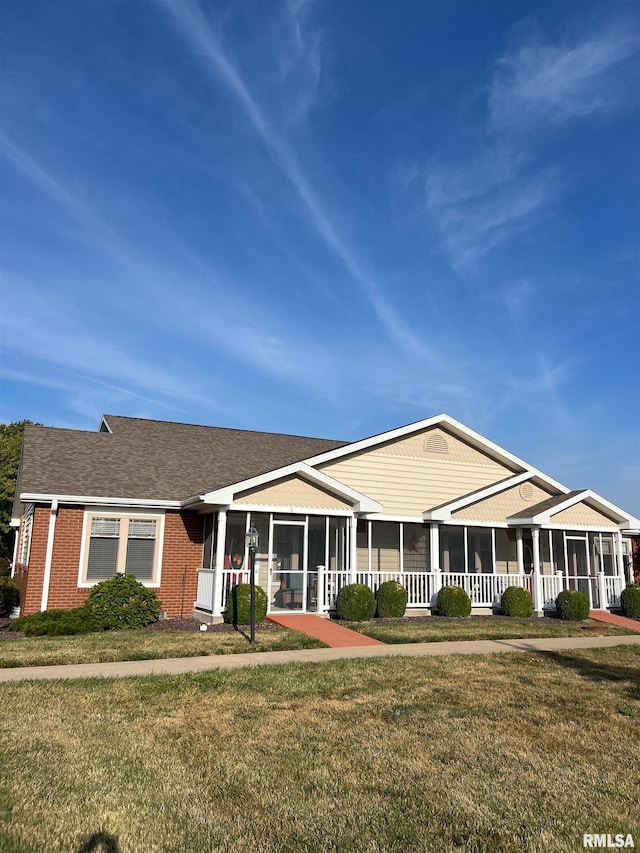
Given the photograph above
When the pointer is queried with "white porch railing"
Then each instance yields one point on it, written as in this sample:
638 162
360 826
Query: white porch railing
485 590
204 595
206 582
552 586
611 588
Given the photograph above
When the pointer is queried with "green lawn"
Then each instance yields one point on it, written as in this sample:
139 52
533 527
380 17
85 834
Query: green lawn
433 630
144 645
501 753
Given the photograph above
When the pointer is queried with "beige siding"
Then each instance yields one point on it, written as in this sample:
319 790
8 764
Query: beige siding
582 514
499 507
293 491
407 478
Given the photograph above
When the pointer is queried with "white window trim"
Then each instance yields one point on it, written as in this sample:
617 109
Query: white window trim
26 529
124 516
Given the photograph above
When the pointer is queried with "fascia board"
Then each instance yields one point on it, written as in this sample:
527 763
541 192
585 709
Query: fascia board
99 500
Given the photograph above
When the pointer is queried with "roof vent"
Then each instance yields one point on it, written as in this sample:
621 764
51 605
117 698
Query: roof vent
436 443
526 492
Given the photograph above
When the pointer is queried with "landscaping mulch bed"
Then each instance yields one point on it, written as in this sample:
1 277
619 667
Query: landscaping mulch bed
177 624
188 624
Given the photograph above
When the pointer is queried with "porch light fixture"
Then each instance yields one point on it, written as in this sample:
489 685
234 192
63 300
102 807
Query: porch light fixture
252 539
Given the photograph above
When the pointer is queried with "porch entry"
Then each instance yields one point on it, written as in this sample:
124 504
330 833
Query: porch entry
291 585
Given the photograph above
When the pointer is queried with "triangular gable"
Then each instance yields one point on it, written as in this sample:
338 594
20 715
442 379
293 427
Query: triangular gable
295 492
500 506
451 427
579 508
359 501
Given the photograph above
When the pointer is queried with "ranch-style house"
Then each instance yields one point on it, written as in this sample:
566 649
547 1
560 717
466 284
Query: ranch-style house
430 504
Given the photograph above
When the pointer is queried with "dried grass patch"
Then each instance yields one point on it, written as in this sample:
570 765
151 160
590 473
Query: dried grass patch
498 753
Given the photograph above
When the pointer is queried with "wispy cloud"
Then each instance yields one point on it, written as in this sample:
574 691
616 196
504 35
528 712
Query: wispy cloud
196 29
499 190
538 81
487 210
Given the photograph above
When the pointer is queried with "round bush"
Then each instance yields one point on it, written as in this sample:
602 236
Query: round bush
355 602
56 623
9 596
391 599
573 605
122 602
630 601
517 601
453 601
238 610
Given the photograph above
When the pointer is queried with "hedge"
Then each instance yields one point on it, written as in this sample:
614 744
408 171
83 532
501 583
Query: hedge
355 602
517 601
453 601
238 610
391 599
630 601
573 605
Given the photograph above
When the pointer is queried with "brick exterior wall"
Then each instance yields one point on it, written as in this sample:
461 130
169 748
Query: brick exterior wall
29 578
181 558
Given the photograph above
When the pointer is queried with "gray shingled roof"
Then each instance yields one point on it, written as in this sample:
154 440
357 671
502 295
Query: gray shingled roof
149 459
543 506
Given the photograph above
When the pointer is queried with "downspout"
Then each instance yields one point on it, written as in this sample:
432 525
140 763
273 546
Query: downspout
15 551
49 554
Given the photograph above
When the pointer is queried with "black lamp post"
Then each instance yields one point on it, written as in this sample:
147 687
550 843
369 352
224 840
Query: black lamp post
252 539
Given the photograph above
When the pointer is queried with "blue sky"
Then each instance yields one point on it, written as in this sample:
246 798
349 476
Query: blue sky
328 218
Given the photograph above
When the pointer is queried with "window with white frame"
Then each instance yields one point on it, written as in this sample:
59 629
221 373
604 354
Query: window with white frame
122 544
25 534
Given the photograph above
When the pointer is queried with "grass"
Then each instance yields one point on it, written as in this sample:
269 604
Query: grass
433 630
500 754
144 645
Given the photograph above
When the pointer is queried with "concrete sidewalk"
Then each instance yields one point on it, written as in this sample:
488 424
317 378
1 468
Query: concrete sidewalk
178 666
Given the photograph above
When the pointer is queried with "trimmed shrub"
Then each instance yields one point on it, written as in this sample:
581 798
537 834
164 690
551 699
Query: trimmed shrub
516 601
9 595
630 601
122 602
56 623
453 601
391 599
238 610
573 605
355 602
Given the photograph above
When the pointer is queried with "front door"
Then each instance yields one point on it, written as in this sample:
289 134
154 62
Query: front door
288 569
578 568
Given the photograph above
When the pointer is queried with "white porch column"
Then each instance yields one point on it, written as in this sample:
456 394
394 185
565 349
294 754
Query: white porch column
617 538
519 551
218 578
434 560
353 548
602 592
538 596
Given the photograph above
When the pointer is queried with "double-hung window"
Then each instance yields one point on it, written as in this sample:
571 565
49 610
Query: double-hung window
122 544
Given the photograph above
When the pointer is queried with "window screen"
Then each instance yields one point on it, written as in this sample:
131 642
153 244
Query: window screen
103 548
141 545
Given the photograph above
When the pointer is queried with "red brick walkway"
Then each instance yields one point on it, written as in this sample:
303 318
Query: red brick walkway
335 636
612 619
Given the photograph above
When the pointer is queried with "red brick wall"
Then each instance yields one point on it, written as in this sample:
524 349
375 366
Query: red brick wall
31 592
182 556
63 583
